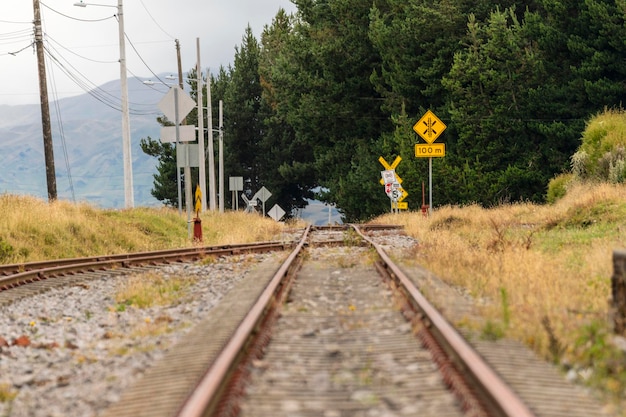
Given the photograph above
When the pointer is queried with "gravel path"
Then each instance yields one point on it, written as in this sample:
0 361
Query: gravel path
71 353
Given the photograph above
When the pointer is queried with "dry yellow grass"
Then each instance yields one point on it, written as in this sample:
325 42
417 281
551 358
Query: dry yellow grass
32 229
535 264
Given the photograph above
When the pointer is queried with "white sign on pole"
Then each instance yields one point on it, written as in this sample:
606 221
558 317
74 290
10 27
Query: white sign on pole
235 183
168 104
263 194
388 175
187 155
276 212
186 133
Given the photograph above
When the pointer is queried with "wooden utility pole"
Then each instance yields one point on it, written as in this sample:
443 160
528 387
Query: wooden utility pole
45 109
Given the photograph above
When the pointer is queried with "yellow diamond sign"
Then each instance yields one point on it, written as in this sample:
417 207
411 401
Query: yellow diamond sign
429 127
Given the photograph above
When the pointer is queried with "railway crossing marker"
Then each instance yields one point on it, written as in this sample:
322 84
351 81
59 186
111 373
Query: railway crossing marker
263 194
276 212
250 204
391 167
392 181
429 127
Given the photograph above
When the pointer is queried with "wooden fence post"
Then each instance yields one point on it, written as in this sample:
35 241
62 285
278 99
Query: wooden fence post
618 292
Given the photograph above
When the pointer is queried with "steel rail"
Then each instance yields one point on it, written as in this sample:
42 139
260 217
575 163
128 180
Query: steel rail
204 398
501 399
36 271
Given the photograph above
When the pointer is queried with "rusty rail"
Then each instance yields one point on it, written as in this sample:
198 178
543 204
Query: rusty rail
496 395
205 397
17 274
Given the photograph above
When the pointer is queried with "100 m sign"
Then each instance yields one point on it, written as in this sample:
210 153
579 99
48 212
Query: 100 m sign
435 150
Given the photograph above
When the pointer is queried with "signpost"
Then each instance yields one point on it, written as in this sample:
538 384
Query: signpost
175 105
392 182
276 212
235 184
250 204
263 194
429 127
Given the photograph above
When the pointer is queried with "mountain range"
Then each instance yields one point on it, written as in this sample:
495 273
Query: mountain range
87 145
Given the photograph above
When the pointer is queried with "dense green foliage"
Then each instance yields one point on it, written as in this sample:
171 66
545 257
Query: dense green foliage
311 107
602 153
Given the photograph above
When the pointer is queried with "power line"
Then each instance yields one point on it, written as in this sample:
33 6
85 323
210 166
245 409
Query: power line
18 51
49 38
17 23
75 18
155 22
103 96
62 134
19 34
141 58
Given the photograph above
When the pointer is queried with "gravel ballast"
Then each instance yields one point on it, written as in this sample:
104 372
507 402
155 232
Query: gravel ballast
71 351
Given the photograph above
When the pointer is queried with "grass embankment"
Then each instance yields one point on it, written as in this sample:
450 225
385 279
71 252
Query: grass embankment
32 230
546 271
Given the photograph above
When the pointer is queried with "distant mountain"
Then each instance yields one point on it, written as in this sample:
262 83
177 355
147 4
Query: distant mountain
86 138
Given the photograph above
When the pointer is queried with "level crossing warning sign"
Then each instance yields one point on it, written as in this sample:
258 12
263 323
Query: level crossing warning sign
429 127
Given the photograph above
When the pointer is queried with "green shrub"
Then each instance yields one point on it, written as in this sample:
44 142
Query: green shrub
557 188
6 250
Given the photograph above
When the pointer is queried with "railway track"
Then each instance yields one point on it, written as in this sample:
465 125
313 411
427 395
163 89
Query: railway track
16 275
337 329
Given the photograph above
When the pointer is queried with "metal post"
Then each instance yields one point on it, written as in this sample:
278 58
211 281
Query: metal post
187 170
188 193
210 150
201 164
221 157
430 186
176 121
129 199
126 145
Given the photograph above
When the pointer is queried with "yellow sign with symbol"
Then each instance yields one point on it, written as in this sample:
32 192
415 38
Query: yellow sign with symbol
391 167
198 199
436 150
400 205
429 127
400 193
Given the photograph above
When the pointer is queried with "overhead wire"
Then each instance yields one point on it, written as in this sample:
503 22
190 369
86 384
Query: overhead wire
83 82
49 38
62 134
140 57
16 37
155 22
20 50
17 23
18 34
75 18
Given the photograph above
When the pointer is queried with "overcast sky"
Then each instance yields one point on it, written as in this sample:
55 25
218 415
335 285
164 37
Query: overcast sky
85 40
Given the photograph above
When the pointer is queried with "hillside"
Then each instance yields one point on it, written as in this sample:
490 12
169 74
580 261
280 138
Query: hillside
87 139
